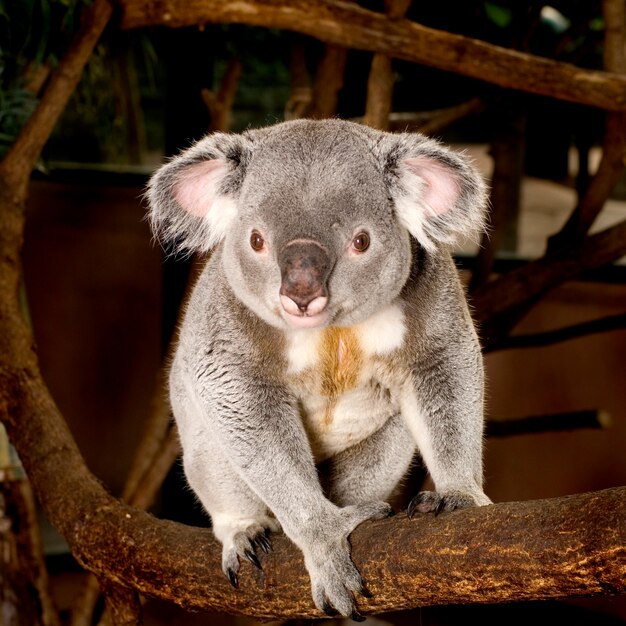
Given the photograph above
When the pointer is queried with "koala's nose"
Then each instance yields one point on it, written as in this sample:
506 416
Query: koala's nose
304 267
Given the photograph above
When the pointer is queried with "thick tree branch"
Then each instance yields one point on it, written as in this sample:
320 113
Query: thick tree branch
346 24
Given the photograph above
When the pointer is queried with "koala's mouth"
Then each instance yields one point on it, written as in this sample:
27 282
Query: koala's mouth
311 315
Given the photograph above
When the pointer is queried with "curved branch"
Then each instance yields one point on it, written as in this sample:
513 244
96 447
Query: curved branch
349 25
563 547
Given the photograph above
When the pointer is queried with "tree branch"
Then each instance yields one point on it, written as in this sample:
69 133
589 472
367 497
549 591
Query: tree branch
380 82
220 104
122 604
550 337
505 427
497 299
328 82
614 142
433 122
346 24
19 161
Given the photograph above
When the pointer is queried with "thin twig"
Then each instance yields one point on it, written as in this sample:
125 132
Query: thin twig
220 104
550 337
547 423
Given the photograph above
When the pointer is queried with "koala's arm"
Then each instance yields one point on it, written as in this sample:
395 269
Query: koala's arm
257 423
443 406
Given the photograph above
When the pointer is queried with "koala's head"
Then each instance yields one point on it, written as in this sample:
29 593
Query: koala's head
315 218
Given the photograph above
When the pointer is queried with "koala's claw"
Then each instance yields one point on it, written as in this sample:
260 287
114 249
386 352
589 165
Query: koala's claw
247 541
439 506
357 617
252 557
329 609
232 578
261 541
433 502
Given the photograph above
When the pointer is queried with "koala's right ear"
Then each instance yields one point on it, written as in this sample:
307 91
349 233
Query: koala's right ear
193 197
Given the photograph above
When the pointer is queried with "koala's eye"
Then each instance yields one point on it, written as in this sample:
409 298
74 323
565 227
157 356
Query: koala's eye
257 243
361 242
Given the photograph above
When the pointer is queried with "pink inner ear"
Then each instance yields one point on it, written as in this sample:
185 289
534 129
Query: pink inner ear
196 188
441 190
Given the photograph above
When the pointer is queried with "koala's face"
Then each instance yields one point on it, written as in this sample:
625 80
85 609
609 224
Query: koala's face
316 218
316 240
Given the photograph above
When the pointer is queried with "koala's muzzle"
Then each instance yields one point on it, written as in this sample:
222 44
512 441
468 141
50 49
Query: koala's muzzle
304 266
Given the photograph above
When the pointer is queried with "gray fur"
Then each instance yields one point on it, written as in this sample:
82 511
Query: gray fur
246 413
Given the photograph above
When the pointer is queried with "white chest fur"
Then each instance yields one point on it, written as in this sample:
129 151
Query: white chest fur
341 378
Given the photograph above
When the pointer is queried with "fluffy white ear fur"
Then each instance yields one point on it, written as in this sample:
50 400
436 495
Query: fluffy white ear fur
197 191
431 190
439 200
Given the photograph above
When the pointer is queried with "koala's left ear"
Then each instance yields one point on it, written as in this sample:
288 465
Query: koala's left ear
438 194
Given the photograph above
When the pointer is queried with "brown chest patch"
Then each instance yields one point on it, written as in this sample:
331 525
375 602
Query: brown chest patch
341 360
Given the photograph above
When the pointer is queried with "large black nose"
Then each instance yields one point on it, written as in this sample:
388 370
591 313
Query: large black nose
304 266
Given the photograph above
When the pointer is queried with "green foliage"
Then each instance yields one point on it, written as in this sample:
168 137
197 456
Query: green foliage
501 16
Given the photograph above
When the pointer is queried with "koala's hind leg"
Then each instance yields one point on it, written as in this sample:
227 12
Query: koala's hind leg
241 521
371 469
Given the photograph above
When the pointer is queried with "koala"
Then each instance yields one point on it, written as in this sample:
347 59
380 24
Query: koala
328 328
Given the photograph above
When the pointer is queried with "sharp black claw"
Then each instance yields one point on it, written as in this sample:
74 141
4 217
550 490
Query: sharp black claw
232 577
440 506
365 592
329 610
410 510
253 558
357 617
265 543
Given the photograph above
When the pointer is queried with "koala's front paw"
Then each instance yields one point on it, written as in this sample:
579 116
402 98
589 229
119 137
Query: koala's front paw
243 539
431 501
334 579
